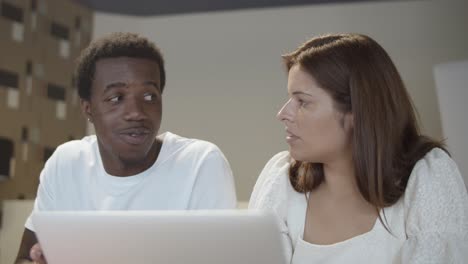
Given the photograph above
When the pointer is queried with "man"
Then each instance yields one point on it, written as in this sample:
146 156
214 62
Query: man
125 166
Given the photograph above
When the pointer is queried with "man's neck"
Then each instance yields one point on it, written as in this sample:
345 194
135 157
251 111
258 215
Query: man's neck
125 168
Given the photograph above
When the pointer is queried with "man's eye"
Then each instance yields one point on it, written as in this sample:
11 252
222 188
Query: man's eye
149 97
115 99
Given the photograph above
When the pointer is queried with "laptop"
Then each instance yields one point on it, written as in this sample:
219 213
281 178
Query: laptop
163 237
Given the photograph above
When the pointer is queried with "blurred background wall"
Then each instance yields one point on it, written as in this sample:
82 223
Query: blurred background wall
39 106
452 92
225 80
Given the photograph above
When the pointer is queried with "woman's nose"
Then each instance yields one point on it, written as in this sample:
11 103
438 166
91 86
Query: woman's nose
285 113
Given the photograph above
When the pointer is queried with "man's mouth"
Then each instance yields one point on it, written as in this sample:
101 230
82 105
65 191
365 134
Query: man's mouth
135 136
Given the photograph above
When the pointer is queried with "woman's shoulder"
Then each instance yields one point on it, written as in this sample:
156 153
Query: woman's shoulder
435 167
270 188
276 168
279 160
435 197
435 155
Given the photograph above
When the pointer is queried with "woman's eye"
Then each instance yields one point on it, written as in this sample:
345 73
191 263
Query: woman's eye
301 102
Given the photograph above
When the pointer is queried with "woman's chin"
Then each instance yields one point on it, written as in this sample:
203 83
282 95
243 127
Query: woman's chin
296 155
302 156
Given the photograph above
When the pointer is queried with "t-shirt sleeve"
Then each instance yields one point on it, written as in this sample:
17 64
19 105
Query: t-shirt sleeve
45 198
270 194
214 186
436 210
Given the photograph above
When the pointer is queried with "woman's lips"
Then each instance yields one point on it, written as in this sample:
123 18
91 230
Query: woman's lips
290 137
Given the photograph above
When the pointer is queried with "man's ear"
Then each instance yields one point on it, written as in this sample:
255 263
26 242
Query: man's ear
86 109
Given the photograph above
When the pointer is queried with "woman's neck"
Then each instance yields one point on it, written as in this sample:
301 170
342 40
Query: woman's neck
340 179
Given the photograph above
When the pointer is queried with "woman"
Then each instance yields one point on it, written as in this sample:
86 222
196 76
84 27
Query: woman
360 184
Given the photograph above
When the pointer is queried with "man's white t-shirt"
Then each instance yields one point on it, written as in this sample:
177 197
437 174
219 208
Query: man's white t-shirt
188 174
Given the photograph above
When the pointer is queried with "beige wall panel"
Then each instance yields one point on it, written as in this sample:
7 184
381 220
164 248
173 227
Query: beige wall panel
37 113
11 124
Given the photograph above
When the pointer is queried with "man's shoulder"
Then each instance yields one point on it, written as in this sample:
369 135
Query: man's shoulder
176 143
70 159
185 150
86 142
77 148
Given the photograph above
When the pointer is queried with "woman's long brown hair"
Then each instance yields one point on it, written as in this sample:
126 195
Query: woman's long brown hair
386 140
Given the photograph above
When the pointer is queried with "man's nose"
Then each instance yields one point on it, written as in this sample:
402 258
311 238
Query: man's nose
134 110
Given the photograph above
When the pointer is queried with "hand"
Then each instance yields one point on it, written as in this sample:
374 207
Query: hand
36 254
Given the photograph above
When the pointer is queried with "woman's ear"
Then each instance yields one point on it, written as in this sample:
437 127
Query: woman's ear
349 121
86 109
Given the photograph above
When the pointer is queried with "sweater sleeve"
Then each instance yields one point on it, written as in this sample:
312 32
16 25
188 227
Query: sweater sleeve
436 210
270 194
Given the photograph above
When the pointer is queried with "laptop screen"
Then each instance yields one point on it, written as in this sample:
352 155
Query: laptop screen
196 237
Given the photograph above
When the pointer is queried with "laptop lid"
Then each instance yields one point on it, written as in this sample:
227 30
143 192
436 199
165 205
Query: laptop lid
169 237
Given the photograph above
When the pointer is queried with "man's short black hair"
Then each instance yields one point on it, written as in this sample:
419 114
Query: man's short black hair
114 45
